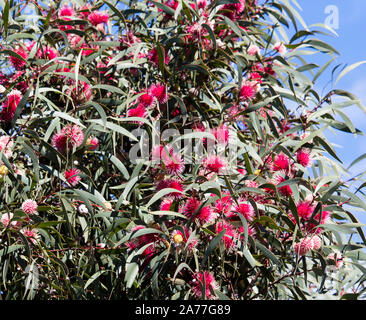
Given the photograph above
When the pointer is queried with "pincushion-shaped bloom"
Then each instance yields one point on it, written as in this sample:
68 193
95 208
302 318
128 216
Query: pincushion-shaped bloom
222 134
6 144
47 52
69 137
197 284
72 176
303 157
173 184
82 93
159 92
6 218
153 56
223 205
304 246
169 160
66 11
278 178
139 112
92 143
10 105
97 17
248 90
15 61
166 204
281 162
317 242
31 234
146 99
280 48
29 206
244 208
230 235
253 50
191 208
214 163
305 209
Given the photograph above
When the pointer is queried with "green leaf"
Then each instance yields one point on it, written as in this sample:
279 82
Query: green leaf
348 69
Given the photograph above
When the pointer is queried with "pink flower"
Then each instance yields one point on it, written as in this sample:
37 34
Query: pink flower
317 242
166 204
214 164
223 205
304 246
281 162
278 178
172 162
16 62
245 209
6 218
47 52
204 214
9 107
143 240
303 157
66 11
248 90
92 143
159 92
97 17
147 100
229 236
210 282
82 93
221 134
29 206
154 57
173 184
31 234
70 136
280 48
253 50
305 209
6 144
72 176
139 112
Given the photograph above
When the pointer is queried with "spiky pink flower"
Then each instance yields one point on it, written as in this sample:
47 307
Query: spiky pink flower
16 62
197 284
214 163
92 143
253 50
153 56
147 100
303 157
29 206
304 246
72 176
47 52
245 209
173 184
159 92
6 218
223 205
139 112
281 162
229 236
172 162
143 240
277 179
6 144
305 209
248 90
10 105
251 231
317 242
221 133
82 93
70 136
97 17
66 11
204 214
166 204
31 234
280 48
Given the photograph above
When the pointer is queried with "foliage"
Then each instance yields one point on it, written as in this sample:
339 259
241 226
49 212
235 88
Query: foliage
83 86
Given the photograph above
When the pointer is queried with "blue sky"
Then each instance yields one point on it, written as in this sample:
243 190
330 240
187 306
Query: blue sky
352 47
